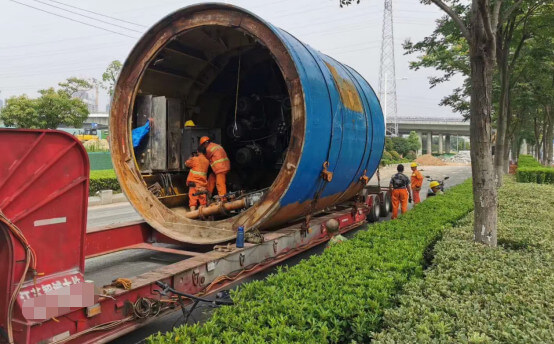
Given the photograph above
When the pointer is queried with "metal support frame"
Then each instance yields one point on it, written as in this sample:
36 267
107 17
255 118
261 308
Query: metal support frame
200 273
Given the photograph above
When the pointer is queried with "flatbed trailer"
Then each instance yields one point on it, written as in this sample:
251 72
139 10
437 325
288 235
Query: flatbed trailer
63 300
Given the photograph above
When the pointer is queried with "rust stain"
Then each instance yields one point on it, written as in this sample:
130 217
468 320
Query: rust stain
348 92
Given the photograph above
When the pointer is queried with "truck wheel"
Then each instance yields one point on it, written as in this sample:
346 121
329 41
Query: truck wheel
375 210
386 207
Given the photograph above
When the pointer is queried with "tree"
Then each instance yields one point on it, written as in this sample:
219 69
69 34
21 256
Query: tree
478 28
413 142
109 77
49 111
401 145
73 85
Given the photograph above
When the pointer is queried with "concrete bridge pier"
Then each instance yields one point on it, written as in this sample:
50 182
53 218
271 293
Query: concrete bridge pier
419 136
440 144
429 143
447 144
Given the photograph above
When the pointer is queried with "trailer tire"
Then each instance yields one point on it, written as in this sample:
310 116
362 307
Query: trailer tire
386 205
375 210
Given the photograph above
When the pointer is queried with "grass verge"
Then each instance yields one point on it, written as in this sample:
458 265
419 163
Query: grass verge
339 296
475 294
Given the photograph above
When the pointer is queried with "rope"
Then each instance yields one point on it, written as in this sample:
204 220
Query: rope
30 262
235 127
124 283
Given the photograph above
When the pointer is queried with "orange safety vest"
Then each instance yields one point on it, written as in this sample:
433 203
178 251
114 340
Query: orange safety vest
417 179
198 173
218 158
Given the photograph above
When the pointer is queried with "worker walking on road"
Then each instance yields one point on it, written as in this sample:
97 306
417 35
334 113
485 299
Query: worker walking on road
197 180
401 192
219 163
417 181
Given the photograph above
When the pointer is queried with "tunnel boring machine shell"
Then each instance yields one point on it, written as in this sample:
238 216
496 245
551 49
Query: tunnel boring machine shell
337 122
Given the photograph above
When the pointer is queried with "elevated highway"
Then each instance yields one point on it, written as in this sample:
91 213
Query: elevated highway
426 127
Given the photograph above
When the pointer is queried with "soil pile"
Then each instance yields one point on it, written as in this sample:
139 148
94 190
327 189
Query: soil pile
429 160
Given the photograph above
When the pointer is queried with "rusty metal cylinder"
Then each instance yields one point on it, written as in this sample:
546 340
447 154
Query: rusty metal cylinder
337 127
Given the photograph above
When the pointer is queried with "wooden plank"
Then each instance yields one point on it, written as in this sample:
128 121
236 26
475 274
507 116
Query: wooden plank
158 134
143 111
174 133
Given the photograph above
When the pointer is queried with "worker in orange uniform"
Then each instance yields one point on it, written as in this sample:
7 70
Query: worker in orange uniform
197 180
219 162
401 192
417 181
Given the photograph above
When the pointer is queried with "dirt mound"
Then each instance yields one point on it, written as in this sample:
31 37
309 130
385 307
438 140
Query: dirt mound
429 160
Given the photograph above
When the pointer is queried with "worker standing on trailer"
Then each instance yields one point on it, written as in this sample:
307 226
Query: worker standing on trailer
220 164
417 181
197 180
401 192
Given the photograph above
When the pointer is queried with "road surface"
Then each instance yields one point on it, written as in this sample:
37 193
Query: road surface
141 259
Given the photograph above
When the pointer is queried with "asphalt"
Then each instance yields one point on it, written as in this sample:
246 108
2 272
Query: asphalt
127 263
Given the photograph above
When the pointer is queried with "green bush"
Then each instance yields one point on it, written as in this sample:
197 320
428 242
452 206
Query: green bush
103 180
527 161
411 155
395 156
530 170
338 296
386 156
477 294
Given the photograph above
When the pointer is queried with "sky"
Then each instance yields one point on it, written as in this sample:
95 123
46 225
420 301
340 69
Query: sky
38 49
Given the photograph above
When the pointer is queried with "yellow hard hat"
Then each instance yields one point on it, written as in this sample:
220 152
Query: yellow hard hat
414 164
190 123
433 184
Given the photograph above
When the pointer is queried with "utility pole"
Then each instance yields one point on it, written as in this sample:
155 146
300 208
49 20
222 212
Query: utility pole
387 75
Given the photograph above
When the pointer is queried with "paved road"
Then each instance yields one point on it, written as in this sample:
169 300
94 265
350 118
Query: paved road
104 215
107 215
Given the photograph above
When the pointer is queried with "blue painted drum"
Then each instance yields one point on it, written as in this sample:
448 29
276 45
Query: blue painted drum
344 128
337 128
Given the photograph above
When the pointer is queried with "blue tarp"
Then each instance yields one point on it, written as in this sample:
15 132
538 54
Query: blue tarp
139 133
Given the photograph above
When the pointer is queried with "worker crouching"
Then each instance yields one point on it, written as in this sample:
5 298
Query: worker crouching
401 192
220 164
197 180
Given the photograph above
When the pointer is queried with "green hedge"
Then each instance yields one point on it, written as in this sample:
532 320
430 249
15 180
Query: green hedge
530 170
339 296
103 180
528 161
476 294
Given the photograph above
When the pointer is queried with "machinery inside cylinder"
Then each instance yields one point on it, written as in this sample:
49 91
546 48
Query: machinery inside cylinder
222 83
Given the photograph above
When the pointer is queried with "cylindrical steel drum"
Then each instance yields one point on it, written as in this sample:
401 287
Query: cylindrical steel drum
336 121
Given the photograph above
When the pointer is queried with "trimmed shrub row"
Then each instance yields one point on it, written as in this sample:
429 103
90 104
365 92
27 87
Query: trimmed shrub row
103 180
476 294
338 296
528 161
530 170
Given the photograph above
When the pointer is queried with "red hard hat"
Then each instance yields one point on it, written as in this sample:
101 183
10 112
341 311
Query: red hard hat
204 139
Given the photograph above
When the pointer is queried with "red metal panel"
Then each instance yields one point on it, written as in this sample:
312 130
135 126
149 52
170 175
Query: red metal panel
100 241
44 192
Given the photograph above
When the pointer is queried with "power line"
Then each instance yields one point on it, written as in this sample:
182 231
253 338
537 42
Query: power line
98 14
85 16
74 20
